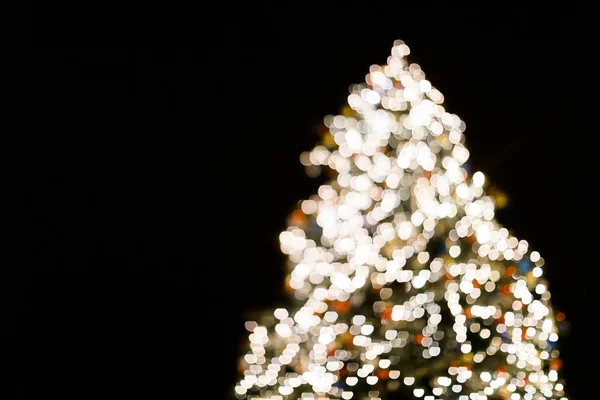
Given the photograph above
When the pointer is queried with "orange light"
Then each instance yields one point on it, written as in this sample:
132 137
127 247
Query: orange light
383 374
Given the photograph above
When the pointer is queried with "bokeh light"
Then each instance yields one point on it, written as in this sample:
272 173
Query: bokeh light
401 278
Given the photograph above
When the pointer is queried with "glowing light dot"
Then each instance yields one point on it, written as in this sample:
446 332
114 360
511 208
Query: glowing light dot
281 313
351 380
309 207
394 374
454 251
371 380
478 179
405 230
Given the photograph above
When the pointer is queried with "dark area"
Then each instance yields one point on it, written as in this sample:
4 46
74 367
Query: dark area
155 167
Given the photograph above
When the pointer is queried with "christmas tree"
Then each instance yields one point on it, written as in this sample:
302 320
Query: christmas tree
401 280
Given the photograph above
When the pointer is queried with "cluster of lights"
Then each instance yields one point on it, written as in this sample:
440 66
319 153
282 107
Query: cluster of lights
401 277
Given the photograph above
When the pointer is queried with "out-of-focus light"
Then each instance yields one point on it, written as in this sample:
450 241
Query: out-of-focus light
398 257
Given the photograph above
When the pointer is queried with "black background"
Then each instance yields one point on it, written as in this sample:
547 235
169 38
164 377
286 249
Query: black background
157 157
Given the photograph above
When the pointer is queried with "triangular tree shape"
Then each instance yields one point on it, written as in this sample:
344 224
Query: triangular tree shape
401 280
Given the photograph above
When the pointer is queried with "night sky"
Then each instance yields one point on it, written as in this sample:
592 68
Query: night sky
155 169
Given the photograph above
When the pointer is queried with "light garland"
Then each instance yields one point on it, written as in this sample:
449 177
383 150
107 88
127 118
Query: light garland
400 276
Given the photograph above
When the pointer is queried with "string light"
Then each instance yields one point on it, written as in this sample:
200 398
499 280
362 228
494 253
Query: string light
400 277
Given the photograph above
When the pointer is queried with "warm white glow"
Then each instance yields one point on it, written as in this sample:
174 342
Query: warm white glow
397 258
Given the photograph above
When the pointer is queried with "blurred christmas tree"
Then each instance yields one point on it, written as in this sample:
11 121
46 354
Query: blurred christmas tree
402 282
